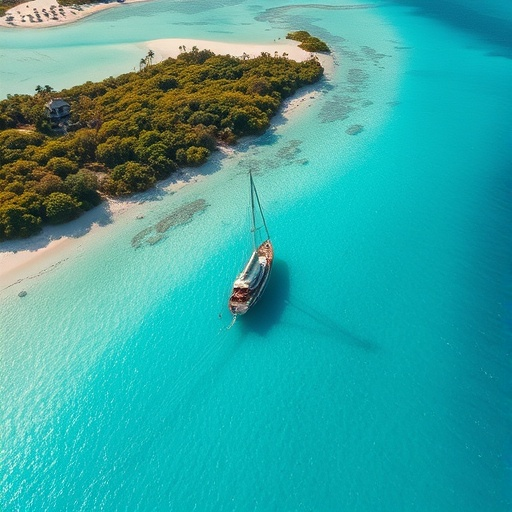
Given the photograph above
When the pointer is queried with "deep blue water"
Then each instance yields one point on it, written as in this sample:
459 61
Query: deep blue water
374 374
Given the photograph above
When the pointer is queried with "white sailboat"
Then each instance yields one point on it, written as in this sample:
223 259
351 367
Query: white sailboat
251 282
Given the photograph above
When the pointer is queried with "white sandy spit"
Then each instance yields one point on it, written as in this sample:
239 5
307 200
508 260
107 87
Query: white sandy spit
165 48
47 13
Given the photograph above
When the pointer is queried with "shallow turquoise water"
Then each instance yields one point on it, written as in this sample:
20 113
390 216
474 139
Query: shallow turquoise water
374 375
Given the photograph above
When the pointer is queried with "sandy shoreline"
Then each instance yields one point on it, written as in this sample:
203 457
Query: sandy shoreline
48 13
26 259
165 48
21 260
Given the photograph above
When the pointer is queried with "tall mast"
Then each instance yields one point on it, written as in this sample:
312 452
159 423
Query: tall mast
253 218
254 193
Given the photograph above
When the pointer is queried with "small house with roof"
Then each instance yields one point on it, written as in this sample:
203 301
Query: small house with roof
58 110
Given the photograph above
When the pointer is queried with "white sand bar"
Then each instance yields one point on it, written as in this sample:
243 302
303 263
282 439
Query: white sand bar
47 13
165 48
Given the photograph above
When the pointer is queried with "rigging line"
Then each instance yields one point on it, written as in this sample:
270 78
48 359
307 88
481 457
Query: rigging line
259 206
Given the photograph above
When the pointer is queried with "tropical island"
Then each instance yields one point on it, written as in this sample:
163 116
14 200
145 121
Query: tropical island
62 152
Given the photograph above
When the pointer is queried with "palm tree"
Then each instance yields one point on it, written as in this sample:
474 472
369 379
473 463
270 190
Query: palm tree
45 91
142 64
149 57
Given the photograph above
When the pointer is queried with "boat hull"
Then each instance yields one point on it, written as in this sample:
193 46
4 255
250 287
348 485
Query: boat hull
252 281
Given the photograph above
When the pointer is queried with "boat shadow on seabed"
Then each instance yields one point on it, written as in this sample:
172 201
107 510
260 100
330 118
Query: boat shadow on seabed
268 310
321 324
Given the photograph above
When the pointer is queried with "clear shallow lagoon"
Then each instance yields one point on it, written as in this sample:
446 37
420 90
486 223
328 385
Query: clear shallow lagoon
374 375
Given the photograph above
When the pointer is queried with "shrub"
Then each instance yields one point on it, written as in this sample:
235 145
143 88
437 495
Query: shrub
61 207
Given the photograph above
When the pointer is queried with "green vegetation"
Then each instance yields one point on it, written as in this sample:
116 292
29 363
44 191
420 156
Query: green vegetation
308 42
5 5
126 133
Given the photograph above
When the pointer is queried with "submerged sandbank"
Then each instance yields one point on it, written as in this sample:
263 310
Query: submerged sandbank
26 259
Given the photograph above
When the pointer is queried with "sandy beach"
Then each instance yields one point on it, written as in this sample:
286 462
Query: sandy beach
27 259
47 13
165 48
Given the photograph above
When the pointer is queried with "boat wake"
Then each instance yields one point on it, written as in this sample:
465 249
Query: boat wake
233 320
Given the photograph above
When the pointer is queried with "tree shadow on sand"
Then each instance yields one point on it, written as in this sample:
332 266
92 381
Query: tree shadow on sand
100 215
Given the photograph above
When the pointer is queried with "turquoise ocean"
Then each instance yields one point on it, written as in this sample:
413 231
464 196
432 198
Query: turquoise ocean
374 375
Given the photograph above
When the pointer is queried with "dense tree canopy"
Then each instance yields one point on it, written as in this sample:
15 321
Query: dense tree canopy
308 42
126 133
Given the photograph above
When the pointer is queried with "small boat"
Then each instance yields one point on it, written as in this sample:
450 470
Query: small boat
251 282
